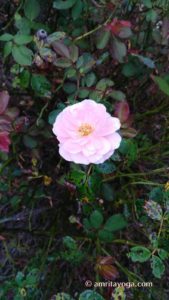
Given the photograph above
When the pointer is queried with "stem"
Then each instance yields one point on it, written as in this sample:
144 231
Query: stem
41 113
11 20
159 232
93 30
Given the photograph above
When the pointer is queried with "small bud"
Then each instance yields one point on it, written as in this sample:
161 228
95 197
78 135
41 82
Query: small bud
41 34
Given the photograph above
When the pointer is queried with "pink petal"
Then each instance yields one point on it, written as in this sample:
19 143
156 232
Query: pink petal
4 141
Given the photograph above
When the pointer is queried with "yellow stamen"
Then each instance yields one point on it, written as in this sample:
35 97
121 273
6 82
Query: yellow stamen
85 129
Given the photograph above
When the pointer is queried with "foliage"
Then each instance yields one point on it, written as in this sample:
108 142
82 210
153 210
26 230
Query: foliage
65 226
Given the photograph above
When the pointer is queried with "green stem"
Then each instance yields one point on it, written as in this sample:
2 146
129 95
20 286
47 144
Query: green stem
93 30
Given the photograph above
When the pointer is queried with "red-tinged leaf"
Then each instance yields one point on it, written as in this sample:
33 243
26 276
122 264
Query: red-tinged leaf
21 123
129 132
5 123
2 238
116 26
4 141
129 122
106 269
122 111
61 49
4 99
12 113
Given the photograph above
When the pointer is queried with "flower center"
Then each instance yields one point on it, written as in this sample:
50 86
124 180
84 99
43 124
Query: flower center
85 129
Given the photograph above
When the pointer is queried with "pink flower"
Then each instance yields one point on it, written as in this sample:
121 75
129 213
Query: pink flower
4 141
86 133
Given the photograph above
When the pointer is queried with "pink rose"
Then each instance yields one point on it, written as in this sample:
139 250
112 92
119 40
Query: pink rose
86 133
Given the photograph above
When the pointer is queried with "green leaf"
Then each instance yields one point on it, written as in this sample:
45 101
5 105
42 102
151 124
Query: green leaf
53 114
63 296
90 295
7 49
119 50
77 9
158 267
25 79
147 3
105 236
90 79
40 85
29 142
32 278
130 69
69 88
23 24
31 9
60 4
63 63
74 53
103 39
107 192
106 168
140 254
83 93
70 73
163 254
96 219
114 223
162 84
151 16
55 36
104 83
146 61
19 278
117 95
22 39
6 37
22 55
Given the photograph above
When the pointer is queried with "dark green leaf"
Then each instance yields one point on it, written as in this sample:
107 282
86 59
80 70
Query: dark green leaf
63 63
40 85
69 88
105 236
106 168
114 223
31 9
77 9
103 39
158 267
162 84
60 4
29 141
7 49
107 192
90 295
119 50
90 79
96 219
